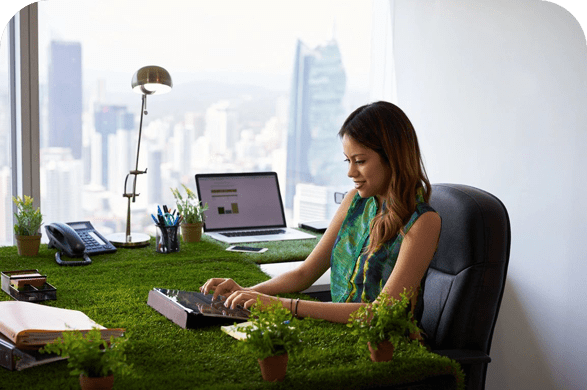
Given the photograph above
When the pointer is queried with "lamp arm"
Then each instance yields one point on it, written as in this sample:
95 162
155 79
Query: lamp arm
143 111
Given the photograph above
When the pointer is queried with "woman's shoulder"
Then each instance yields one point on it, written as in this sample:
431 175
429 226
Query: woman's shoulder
351 194
427 225
424 215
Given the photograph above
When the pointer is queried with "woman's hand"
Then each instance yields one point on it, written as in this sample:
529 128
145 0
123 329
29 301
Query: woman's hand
221 286
247 298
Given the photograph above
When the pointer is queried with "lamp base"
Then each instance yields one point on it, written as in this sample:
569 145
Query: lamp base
134 240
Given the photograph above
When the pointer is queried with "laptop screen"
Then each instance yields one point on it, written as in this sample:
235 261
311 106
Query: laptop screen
241 200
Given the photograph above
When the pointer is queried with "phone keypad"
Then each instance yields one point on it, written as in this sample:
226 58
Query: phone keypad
92 245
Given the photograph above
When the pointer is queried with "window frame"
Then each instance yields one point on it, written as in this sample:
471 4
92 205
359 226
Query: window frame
24 104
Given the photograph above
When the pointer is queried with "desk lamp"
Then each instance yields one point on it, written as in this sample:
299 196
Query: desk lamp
149 80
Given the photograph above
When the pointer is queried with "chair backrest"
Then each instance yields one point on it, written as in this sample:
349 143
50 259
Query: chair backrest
466 279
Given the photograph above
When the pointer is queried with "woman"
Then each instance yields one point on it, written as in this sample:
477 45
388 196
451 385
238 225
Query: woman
381 239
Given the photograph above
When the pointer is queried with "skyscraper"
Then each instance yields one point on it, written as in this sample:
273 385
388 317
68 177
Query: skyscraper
221 127
65 97
107 121
317 90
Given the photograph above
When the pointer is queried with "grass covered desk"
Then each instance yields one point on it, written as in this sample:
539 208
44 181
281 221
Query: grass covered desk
113 291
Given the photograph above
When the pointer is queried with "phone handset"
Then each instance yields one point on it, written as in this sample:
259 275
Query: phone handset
67 241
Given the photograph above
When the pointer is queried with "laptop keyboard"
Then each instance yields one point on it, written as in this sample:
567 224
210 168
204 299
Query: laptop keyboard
253 233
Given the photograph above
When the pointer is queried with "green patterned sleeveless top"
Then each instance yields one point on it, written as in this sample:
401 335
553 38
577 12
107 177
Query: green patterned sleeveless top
354 275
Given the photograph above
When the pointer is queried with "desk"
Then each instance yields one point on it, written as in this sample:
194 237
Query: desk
113 291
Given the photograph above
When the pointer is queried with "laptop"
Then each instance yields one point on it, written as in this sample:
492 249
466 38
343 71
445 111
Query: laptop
244 207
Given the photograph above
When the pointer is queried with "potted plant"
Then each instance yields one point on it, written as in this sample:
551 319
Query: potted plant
94 359
272 335
384 325
26 228
192 214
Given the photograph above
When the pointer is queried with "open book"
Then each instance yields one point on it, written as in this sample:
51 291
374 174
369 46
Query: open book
32 325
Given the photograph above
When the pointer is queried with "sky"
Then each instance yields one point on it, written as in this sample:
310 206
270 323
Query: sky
239 44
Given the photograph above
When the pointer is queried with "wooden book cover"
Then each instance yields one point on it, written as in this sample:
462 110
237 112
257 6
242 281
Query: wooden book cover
32 325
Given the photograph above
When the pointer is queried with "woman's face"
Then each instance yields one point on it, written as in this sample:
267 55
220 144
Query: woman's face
368 170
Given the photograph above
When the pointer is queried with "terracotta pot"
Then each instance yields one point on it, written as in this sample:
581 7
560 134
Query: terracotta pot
274 368
383 353
28 245
99 383
191 232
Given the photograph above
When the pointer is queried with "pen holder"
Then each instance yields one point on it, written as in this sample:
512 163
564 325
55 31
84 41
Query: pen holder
167 239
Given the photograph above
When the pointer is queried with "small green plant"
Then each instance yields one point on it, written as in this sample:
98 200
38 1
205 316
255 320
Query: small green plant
273 331
385 319
28 219
189 207
90 355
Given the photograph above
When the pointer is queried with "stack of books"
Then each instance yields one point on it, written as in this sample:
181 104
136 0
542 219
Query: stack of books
25 327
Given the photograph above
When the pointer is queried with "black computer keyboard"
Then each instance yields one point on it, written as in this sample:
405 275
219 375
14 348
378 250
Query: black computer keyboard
253 233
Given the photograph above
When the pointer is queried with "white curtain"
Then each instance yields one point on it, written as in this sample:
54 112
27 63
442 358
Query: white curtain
383 81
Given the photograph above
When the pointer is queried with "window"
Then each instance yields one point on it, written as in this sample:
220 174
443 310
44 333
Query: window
6 232
258 85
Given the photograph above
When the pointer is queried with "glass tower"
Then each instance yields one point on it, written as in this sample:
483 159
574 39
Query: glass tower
65 97
313 152
108 119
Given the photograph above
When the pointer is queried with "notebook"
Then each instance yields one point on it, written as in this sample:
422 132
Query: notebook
192 309
244 207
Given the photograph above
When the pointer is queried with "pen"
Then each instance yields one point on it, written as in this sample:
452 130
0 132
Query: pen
161 220
155 219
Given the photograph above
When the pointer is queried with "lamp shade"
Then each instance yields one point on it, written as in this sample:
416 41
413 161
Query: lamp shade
150 80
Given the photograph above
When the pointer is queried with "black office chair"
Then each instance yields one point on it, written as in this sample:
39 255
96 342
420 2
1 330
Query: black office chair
465 282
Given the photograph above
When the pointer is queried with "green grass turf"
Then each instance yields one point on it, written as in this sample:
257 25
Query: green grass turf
277 251
113 291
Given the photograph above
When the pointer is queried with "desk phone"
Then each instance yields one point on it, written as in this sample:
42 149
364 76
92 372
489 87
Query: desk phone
77 239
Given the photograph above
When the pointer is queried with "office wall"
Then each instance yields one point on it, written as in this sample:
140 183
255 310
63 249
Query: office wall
497 91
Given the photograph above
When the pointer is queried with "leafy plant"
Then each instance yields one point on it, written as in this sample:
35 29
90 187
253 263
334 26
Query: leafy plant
28 219
189 207
273 331
385 319
89 354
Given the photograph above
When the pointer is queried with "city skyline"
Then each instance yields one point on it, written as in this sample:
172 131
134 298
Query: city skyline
181 134
85 188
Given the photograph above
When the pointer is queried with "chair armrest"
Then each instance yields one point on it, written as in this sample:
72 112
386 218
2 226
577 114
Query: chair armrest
465 356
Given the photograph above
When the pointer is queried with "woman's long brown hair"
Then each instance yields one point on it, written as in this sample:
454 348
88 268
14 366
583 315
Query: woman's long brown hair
385 128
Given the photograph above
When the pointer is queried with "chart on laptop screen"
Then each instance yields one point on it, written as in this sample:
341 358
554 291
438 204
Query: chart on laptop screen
241 201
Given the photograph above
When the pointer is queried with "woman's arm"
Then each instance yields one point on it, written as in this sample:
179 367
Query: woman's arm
415 255
329 311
